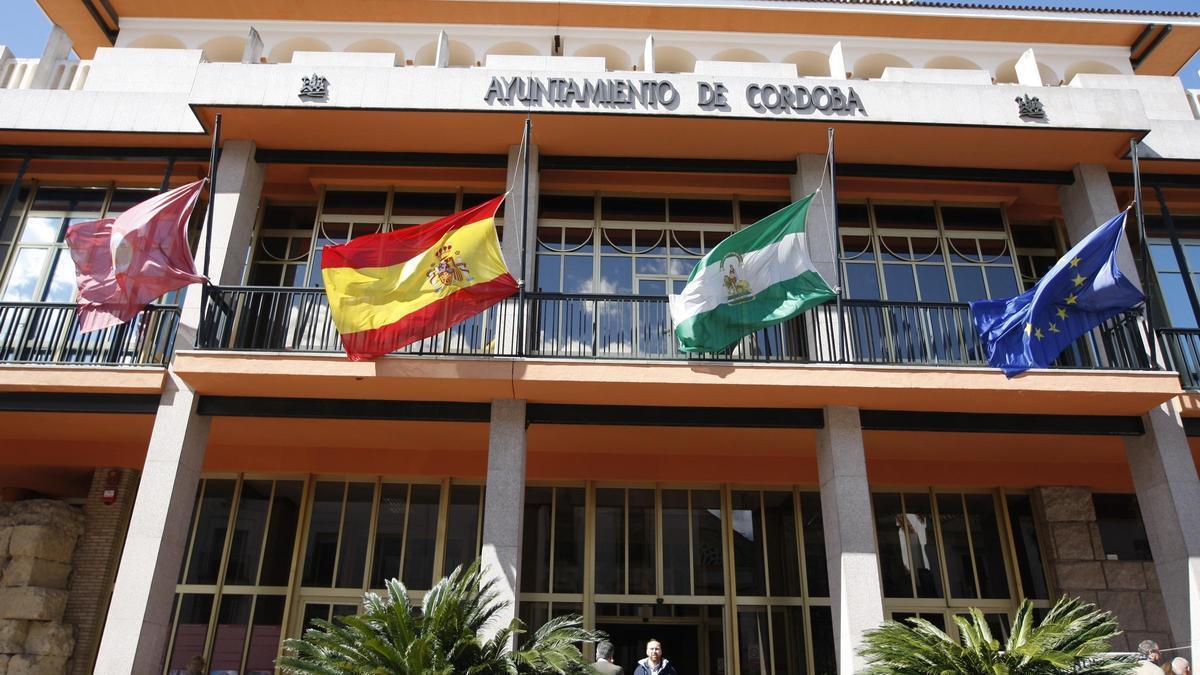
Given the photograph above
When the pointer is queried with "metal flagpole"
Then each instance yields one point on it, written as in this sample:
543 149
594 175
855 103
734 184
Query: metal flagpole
166 182
212 190
837 247
524 238
1147 284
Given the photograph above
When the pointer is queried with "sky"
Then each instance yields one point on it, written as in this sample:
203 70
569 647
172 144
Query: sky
23 26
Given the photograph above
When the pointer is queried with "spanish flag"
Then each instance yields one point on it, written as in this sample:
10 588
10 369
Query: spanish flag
395 288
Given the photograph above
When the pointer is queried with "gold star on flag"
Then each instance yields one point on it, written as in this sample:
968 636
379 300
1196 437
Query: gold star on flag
1079 279
1028 328
1076 261
1071 299
1062 313
1054 329
1037 333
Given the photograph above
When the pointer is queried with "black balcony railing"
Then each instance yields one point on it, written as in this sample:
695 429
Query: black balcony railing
638 327
1181 353
37 332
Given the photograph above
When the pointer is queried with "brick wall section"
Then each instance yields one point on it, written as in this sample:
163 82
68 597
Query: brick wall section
1127 588
96 559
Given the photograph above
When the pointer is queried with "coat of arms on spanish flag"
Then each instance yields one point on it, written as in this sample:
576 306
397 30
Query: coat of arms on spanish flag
395 288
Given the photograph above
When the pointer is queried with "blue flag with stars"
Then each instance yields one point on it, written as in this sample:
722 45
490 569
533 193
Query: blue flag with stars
1080 292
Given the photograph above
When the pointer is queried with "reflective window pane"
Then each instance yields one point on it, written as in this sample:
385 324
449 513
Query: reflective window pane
281 535
707 553
815 565
787 635
248 527
642 568
421 538
324 524
208 541
783 557
824 655
264 634
389 534
610 540
356 523
187 647
677 576
892 541
959 569
1028 548
233 620
985 540
748 562
462 527
922 542
535 535
754 648
568 540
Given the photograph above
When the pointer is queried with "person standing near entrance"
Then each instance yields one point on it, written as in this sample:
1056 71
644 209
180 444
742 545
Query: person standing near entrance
654 663
604 664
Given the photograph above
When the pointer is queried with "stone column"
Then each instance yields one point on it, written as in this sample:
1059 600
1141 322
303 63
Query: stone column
504 504
1168 492
1088 204
854 586
96 559
235 212
139 615
58 48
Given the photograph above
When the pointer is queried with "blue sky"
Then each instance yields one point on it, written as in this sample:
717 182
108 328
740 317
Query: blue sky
24 27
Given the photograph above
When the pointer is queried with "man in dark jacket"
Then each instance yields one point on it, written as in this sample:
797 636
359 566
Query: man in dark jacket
654 663
604 664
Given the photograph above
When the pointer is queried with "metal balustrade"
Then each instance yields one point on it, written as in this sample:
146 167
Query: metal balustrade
36 332
1181 353
588 326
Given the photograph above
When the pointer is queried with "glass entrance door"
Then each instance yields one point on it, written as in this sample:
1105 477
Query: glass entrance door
693 646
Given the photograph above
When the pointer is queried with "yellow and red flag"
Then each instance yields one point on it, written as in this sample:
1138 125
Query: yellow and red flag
392 289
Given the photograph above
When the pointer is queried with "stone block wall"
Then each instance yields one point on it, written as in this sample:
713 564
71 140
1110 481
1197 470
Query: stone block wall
1078 568
96 559
37 546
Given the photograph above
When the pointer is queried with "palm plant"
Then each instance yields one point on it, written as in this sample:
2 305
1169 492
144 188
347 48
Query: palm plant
392 637
1072 638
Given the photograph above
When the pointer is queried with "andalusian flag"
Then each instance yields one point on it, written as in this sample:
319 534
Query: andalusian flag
756 278
395 288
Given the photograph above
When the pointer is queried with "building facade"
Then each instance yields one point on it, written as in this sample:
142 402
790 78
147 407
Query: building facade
185 491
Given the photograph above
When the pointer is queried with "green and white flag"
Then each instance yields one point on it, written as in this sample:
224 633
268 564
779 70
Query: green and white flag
756 278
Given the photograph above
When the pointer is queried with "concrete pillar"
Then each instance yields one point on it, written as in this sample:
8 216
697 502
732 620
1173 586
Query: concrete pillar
1088 204
1168 492
854 586
58 48
504 503
235 211
139 614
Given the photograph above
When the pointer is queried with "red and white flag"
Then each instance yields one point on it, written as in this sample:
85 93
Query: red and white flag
124 263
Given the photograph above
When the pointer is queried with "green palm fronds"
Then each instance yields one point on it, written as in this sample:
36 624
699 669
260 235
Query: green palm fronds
392 637
1073 638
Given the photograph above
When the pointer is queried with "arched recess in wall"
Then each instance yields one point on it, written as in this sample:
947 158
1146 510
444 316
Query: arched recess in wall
282 52
377 46
952 63
740 56
673 60
158 42
512 49
1088 68
461 56
810 64
226 49
1006 73
872 66
614 57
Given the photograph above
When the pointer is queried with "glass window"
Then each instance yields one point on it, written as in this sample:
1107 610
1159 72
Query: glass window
535 547
1121 528
356 523
389 533
463 525
233 619
568 540
324 525
1028 547
610 540
814 545
748 539
245 546
191 628
642 541
281 534
708 549
421 538
265 633
208 538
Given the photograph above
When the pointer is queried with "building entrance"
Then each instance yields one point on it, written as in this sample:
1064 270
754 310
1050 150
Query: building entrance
681 645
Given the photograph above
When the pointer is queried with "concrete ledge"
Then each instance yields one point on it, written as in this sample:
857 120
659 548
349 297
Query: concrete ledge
82 379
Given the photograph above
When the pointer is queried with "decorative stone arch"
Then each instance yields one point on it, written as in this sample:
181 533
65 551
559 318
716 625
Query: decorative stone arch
378 46
225 49
512 48
461 56
739 55
282 52
673 60
809 64
1089 68
614 57
952 63
871 66
159 42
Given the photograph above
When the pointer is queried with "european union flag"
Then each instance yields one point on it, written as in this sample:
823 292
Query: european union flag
1080 292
